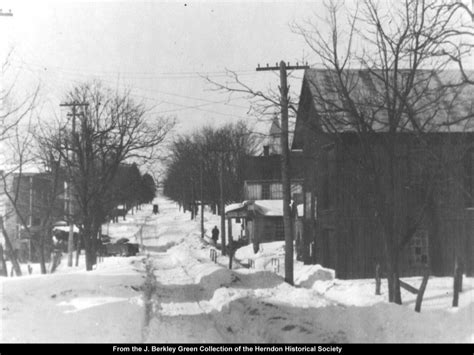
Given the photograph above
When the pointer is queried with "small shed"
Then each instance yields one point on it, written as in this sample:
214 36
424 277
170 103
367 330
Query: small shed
262 219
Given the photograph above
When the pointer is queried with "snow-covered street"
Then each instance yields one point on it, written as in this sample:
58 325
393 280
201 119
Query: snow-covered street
173 292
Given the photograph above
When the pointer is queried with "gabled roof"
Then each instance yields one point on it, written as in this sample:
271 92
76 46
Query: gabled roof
275 129
439 101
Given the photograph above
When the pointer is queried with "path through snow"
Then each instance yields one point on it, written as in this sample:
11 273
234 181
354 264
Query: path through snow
174 293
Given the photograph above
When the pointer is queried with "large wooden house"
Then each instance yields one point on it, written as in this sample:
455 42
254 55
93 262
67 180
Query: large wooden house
435 175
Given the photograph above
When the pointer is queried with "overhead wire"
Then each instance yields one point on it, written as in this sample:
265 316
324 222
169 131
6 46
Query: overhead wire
27 66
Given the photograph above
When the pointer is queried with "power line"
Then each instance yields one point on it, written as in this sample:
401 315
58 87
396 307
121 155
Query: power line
183 107
143 75
171 94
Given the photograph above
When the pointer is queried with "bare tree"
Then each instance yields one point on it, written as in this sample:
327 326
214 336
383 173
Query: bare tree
12 113
205 149
385 73
112 129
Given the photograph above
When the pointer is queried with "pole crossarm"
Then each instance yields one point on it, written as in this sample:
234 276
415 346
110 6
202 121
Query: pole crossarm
288 67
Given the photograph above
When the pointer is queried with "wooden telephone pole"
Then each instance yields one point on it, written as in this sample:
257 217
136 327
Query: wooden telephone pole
222 200
202 196
70 243
285 163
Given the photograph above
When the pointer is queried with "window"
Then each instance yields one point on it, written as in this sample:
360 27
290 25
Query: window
276 191
419 255
265 191
252 191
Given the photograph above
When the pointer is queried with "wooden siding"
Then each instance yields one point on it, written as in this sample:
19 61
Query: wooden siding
348 235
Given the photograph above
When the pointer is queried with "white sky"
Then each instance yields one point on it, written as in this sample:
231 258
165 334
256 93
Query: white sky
159 49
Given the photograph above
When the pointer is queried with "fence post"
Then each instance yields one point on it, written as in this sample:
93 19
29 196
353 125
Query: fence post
457 284
377 279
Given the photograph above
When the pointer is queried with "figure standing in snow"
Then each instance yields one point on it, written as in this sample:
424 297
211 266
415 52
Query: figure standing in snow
56 254
215 234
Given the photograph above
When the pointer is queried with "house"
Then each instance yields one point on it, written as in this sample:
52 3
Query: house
24 220
262 174
261 212
341 223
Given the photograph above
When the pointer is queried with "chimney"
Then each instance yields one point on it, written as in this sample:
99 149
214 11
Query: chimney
266 150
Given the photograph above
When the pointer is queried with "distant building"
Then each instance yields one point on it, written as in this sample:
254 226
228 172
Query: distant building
32 193
261 211
262 177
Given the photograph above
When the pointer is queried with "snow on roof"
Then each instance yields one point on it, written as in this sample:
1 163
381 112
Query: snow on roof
26 169
269 208
236 206
66 229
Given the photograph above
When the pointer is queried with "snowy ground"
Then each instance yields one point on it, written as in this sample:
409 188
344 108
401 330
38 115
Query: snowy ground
174 293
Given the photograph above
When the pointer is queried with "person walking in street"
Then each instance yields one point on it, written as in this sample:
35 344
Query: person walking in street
215 234
56 254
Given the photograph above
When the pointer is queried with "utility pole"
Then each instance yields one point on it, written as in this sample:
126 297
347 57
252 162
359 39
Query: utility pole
31 217
222 201
222 204
285 163
202 197
70 242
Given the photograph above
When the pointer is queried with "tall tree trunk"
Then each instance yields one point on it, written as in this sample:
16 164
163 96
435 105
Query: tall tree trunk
78 248
88 246
393 278
89 259
41 254
10 252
